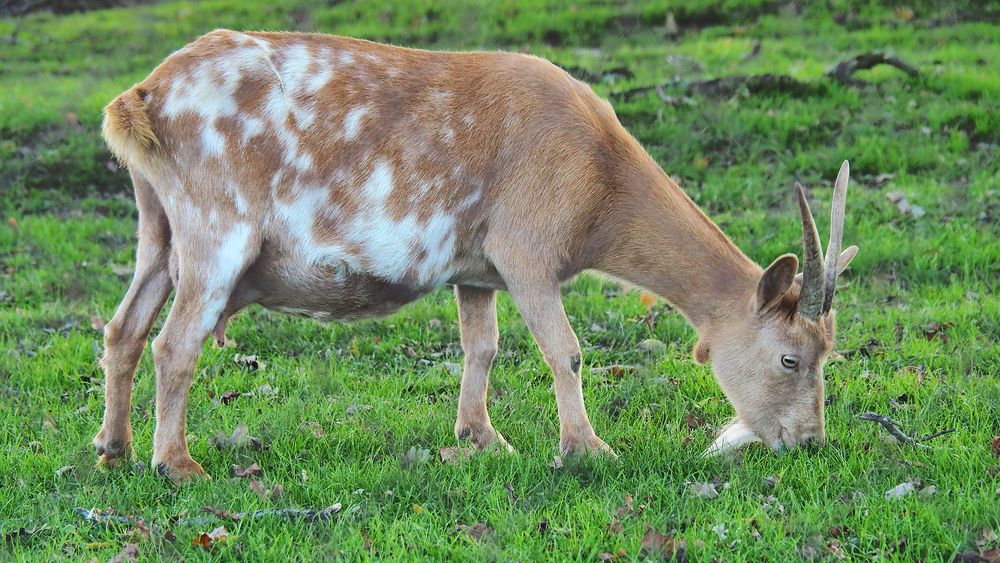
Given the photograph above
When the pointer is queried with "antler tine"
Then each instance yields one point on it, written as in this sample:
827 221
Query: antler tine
811 296
836 235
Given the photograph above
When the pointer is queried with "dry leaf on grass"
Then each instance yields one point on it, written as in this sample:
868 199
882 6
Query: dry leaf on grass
252 470
229 397
129 553
455 454
205 541
656 544
251 362
271 493
240 438
703 490
608 556
900 490
415 456
996 445
477 531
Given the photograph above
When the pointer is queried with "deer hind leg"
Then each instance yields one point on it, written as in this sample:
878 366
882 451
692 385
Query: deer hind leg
210 265
125 335
541 306
477 315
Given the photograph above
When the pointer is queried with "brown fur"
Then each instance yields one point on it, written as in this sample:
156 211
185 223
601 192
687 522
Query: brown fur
540 177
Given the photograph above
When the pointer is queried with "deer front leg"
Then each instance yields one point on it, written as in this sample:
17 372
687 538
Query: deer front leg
541 306
477 315
125 335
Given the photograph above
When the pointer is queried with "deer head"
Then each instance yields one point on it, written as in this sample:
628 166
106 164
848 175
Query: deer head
769 353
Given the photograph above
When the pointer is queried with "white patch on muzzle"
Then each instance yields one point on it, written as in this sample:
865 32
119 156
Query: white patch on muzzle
733 437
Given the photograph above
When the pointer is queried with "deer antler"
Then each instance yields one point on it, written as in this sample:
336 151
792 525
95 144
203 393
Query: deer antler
812 295
836 235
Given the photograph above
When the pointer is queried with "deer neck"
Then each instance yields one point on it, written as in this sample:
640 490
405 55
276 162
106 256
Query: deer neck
662 241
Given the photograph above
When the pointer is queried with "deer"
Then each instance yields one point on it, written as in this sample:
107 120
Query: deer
338 179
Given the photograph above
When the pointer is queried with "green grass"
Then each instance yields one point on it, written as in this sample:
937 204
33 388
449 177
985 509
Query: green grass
937 135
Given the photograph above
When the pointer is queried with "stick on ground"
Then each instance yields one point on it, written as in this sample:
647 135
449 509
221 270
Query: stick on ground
842 72
892 427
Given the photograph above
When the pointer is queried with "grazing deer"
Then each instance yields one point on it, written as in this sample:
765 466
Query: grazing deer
338 179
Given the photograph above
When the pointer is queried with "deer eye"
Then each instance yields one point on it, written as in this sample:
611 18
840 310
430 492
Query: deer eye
789 361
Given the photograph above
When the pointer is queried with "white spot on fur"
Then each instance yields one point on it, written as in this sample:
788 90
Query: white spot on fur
352 122
346 58
230 258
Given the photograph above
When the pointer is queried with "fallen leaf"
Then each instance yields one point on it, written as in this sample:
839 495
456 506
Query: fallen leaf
205 541
660 545
991 555
614 527
628 509
12 223
248 362
996 445
477 531
693 421
904 206
229 397
317 430
140 531
616 371
129 553
703 490
647 299
937 330
252 470
836 531
833 548
652 346
221 513
266 494
608 556
64 470
240 438
899 491
556 462
455 454
418 509
415 456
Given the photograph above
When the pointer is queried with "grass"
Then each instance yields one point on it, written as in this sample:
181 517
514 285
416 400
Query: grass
344 404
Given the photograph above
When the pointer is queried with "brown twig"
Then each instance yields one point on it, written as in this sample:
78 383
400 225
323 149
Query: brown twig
842 72
892 427
930 437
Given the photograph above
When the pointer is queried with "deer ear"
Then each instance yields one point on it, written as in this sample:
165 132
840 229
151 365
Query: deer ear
701 350
777 278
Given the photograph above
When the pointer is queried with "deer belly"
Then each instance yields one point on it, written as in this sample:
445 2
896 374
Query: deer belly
328 292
